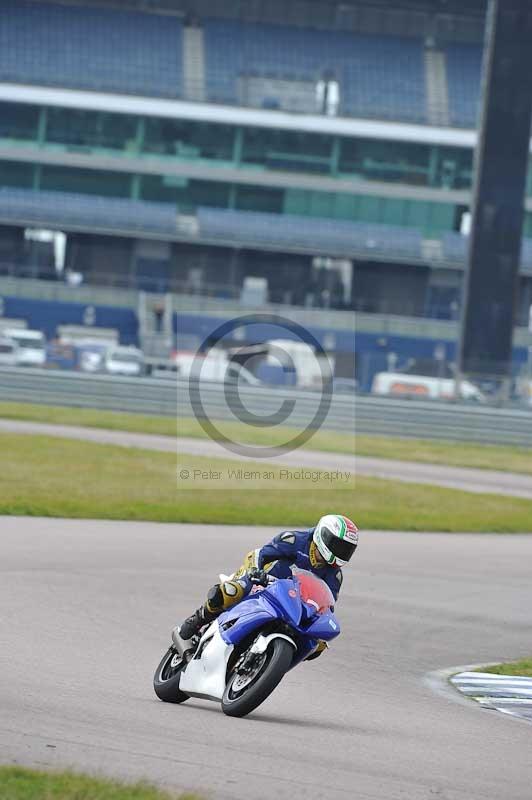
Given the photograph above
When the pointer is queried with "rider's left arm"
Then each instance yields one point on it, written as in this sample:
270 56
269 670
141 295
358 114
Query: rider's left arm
283 546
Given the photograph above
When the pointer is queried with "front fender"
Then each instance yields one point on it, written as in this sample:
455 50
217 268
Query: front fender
260 645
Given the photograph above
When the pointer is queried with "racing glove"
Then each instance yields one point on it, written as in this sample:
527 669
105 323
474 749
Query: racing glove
258 577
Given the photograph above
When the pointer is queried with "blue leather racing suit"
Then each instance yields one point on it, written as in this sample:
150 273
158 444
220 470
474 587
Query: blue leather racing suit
291 548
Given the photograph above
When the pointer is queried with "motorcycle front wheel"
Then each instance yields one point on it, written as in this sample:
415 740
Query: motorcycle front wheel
249 687
166 678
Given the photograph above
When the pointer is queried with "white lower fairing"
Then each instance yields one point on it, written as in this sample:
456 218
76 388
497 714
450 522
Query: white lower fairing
205 676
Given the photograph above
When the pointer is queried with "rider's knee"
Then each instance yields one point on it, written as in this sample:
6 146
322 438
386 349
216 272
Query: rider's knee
215 599
224 595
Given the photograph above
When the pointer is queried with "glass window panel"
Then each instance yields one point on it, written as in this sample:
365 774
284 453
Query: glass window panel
441 216
157 189
455 168
187 194
86 181
258 198
13 173
416 213
369 209
322 204
346 206
393 211
209 193
398 162
188 139
79 128
287 150
296 202
18 121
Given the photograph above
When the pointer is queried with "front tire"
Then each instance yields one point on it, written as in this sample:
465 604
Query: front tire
167 676
241 697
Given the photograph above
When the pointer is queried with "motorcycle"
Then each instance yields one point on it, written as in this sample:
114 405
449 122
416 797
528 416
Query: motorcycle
242 656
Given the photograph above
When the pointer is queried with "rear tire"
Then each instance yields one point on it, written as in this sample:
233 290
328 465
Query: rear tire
167 677
278 660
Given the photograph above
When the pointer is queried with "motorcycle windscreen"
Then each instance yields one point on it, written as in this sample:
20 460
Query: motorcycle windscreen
314 591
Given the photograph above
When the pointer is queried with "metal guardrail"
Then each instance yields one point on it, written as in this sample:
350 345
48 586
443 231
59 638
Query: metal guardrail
448 421
365 414
169 397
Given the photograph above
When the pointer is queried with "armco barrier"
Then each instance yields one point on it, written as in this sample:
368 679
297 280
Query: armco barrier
373 415
167 397
433 420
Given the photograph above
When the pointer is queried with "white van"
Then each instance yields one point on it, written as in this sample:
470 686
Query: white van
124 361
31 346
215 367
524 390
309 366
8 352
402 384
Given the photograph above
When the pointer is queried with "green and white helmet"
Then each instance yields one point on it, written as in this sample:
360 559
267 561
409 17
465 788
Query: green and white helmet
336 537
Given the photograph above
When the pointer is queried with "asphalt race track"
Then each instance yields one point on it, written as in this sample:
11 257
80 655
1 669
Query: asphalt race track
470 480
85 613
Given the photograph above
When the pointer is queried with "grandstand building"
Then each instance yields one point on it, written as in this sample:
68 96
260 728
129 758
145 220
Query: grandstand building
184 147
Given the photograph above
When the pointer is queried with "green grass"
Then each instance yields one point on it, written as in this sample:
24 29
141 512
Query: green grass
18 783
459 454
48 476
522 667
452 454
170 426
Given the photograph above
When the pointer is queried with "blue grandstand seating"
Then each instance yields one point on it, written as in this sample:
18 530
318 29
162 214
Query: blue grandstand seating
90 48
125 51
104 213
339 237
379 76
464 63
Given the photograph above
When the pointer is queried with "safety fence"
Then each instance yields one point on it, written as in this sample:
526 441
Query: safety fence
262 407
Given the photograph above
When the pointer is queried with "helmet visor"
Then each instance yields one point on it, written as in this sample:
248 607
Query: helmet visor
340 548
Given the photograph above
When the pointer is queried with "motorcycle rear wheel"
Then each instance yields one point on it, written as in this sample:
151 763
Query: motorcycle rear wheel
237 702
166 678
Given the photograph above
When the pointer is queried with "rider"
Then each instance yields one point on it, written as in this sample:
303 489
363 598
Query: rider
323 550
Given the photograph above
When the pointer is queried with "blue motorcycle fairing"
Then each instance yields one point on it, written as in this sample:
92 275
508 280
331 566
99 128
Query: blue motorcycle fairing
324 627
281 600
251 613
285 596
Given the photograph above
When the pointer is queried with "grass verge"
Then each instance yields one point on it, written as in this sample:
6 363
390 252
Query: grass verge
48 476
522 668
18 783
457 454
168 426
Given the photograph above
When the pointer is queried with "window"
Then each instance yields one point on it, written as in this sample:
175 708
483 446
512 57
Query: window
88 129
18 121
86 181
287 150
258 198
385 161
13 173
189 140
455 168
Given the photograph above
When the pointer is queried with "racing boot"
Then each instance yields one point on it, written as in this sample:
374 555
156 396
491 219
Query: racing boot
193 624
